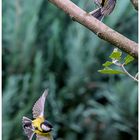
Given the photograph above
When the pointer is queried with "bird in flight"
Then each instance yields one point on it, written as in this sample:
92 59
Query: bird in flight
38 126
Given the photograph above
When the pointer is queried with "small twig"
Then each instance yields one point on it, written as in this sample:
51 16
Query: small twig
128 73
136 76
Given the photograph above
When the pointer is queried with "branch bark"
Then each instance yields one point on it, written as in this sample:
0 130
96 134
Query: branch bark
99 28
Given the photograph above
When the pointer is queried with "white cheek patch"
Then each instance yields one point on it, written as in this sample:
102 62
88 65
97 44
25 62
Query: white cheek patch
45 128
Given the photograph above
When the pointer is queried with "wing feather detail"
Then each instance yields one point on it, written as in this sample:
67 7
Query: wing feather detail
27 127
38 108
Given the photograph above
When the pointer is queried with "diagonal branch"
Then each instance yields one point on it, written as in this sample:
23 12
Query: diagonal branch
99 28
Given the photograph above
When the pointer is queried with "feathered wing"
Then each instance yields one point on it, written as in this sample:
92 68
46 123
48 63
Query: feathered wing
27 127
97 14
108 8
38 108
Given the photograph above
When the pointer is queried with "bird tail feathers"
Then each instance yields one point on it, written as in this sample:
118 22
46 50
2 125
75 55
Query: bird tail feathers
97 14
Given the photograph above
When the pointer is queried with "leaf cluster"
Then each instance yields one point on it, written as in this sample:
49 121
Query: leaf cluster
116 59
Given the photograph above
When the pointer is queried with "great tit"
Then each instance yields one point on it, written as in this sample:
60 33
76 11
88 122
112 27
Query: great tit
105 7
38 126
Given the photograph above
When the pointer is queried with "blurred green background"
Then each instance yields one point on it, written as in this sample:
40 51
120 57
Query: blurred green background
43 47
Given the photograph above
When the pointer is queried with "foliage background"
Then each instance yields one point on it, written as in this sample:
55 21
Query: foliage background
43 47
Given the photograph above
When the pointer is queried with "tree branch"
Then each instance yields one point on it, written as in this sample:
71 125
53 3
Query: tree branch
99 28
134 78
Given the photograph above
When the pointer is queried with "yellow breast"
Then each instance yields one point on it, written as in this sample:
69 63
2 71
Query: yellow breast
36 124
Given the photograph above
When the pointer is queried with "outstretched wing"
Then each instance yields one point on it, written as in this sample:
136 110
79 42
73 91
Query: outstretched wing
27 126
38 108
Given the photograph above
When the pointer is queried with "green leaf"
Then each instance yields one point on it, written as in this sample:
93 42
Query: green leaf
116 54
128 59
107 63
110 71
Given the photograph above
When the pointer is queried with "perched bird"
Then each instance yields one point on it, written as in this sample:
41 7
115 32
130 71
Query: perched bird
105 7
39 126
